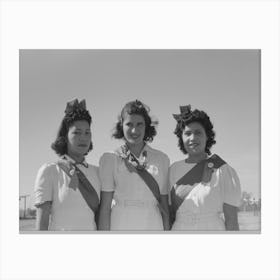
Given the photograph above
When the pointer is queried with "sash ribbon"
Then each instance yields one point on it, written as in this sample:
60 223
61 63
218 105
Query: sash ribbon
80 181
201 172
150 182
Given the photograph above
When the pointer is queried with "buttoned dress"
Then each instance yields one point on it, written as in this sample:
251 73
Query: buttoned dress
69 210
134 207
202 209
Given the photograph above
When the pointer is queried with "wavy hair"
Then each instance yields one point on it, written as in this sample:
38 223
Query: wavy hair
198 116
60 143
136 108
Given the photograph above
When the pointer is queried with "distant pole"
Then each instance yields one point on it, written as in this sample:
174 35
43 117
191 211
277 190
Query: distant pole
24 197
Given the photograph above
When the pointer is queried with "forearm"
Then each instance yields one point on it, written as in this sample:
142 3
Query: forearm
166 223
231 217
231 224
104 219
42 225
165 214
42 219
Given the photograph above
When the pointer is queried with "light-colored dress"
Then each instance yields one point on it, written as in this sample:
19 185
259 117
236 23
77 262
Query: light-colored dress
202 208
134 207
69 209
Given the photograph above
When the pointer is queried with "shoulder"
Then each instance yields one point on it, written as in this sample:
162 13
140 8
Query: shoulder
228 173
227 169
47 172
177 164
110 155
157 153
108 159
48 168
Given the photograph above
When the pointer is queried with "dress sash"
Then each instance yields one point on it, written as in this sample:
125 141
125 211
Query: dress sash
201 172
150 181
80 181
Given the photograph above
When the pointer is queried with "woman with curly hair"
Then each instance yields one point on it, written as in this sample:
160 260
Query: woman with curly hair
134 178
205 190
67 191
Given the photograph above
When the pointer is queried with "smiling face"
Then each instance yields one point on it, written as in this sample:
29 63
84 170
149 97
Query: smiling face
194 139
133 129
78 139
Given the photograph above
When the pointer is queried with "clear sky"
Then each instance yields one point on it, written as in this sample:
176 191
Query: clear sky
224 83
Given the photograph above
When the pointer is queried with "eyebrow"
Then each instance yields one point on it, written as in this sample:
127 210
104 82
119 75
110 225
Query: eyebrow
128 122
80 129
194 130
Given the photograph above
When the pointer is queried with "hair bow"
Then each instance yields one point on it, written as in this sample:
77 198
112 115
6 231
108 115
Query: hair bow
184 113
75 105
139 104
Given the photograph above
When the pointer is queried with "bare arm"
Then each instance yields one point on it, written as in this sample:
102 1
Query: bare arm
105 211
165 216
43 216
231 217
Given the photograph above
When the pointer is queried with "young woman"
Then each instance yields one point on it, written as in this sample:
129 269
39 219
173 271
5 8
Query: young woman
67 191
134 178
204 186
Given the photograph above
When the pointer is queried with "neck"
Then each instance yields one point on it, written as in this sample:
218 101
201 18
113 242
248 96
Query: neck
136 149
195 158
77 158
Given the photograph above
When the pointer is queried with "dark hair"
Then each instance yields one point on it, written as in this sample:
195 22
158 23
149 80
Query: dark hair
188 116
60 143
136 108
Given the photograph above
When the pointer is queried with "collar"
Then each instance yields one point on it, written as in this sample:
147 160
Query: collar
145 149
67 157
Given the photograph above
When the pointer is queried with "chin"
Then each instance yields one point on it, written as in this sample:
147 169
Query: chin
194 153
82 152
132 141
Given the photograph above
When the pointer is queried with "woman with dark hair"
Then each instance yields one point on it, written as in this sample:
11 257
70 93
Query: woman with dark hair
134 178
67 191
203 186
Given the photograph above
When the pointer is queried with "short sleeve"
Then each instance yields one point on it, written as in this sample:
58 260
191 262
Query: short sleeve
231 190
106 172
44 183
165 174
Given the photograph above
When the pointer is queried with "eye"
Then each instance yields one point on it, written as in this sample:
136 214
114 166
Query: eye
77 132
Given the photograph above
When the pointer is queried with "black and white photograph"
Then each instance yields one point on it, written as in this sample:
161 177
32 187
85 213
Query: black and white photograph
150 124
139 139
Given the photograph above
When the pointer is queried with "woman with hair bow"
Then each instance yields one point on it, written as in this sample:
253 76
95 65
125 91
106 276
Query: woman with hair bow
134 178
67 191
205 192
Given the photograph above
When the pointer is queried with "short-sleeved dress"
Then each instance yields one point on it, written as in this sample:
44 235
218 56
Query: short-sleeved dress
202 208
134 207
69 210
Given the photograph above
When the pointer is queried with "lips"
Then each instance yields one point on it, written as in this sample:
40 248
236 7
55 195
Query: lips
134 136
82 145
193 145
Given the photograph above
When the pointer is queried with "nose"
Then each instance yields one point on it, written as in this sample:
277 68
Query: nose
192 137
133 130
84 137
